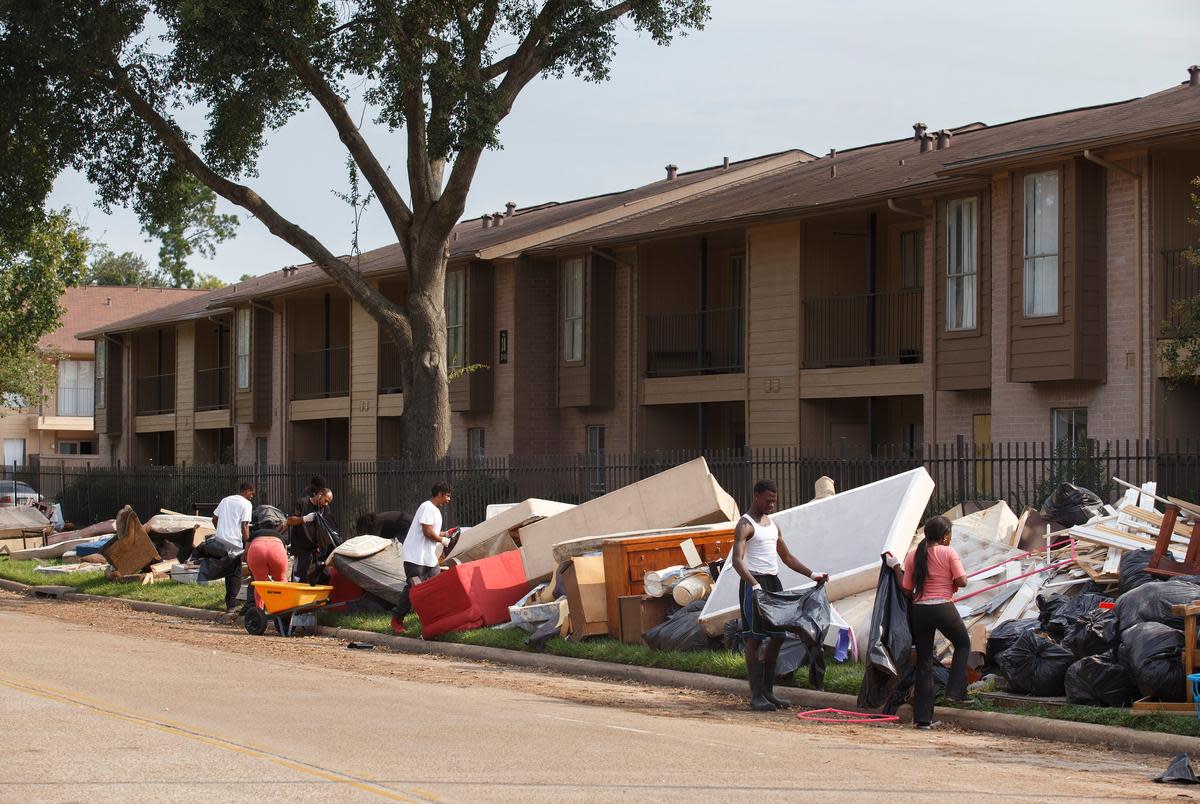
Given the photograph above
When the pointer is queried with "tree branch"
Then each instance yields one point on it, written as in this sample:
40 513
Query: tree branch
392 317
398 213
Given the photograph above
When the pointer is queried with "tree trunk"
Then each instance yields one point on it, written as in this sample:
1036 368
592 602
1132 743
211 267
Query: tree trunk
425 425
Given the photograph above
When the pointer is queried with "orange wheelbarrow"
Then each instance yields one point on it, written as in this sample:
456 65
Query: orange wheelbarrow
281 602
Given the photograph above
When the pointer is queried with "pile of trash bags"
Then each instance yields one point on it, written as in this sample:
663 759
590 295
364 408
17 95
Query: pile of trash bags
1100 656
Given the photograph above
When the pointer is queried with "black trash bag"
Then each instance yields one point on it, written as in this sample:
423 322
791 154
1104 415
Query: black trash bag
1152 602
1070 505
902 692
1151 653
1179 772
1036 665
1095 681
1132 571
268 517
1092 633
804 613
680 631
793 654
543 634
889 646
1002 637
1057 613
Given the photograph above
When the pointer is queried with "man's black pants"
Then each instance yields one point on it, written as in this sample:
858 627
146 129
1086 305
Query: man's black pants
421 573
218 563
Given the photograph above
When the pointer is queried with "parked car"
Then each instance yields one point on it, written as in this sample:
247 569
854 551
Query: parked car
14 492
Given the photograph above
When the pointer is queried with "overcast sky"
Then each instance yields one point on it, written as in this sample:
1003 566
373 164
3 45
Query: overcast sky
764 76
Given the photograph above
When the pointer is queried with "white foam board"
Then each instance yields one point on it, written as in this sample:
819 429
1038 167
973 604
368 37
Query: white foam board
496 528
842 535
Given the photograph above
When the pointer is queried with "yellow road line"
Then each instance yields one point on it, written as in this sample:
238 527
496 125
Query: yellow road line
179 730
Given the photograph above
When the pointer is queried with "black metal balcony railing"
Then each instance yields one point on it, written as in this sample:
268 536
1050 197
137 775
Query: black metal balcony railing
76 401
1180 280
321 373
702 342
390 372
212 388
867 330
155 394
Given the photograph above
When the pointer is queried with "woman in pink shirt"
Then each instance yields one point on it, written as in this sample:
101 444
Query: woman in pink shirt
931 575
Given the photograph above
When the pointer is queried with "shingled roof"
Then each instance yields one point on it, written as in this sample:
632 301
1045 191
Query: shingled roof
99 307
177 307
872 173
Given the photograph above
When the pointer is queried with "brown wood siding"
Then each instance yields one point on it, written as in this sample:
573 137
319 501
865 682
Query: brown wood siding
1042 349
1092 321
114 392
963 359
601 328
574 378
473 392
262 356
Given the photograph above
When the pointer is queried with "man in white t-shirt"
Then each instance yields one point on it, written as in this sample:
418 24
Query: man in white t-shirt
422 543
222 555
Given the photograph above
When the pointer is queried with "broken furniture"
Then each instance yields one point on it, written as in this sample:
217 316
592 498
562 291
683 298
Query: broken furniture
22 527
1163 563
627 560
497 534
130 551
681 496
637 614
469 595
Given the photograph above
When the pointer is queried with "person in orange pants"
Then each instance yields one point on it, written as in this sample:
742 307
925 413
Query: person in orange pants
266 556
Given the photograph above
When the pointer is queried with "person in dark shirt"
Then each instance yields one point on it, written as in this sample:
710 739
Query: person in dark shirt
306 534
385 524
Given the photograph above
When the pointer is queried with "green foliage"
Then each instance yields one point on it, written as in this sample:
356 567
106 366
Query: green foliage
184 217
26 376
1180 349
1082 464
36 266
209 282
125 269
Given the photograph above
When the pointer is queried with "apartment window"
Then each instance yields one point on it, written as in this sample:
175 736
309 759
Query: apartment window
456 326
912 255
243 349
76 387
260 451
76 448
476 444
99 370
573 278
1069 425
1041 244
962 270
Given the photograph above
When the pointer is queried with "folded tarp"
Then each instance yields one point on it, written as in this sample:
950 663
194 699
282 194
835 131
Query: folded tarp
684 495
381 574
471 595
842 535
494 535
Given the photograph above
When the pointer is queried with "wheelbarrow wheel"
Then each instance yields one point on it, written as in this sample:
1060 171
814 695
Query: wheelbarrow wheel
256 621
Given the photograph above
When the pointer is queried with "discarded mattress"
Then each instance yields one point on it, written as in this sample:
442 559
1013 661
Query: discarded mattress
381 574
57 550
471 595
842 535
173 523
996 524
494 535
684 495
361 547
106 528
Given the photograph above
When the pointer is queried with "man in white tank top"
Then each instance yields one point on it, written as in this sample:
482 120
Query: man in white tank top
758 547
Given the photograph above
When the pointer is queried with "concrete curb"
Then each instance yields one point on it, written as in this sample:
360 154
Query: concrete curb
1116 737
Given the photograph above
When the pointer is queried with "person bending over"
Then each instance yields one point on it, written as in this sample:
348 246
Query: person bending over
758 547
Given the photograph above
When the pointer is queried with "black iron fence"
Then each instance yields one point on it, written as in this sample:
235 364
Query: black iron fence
1021 473
155 394
702 342
871 329
321 373
212 388
1180 280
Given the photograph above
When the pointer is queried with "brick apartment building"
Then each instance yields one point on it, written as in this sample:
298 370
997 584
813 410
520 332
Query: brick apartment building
998 283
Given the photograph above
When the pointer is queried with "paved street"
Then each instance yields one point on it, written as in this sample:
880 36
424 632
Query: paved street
99 703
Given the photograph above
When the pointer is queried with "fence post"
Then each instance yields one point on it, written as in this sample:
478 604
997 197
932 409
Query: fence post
960 448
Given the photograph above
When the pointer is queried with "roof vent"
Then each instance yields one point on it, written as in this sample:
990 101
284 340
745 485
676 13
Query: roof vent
919 131
1194 75
943 139
725 164
926 142
510 209
497 220
486 220
672 172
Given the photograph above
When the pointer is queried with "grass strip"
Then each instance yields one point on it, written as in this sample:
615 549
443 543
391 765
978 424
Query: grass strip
843 678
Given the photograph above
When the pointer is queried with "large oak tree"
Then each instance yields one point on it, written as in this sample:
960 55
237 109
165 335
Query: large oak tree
96 85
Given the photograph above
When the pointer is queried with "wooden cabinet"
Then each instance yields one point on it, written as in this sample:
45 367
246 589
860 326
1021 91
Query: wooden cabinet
626 562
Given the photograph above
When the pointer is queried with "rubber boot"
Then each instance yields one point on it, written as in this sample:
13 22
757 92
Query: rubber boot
754 674
769 685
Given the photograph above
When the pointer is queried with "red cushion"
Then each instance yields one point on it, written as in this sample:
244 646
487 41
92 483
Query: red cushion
470 595
344 590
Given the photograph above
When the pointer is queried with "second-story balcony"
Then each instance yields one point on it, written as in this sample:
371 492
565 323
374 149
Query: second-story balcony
390 370
701 342
867 330
155 394
212 388
321 373
1180 280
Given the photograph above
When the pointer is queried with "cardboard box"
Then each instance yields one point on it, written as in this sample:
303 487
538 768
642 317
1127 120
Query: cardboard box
687 494
586 596
640 613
